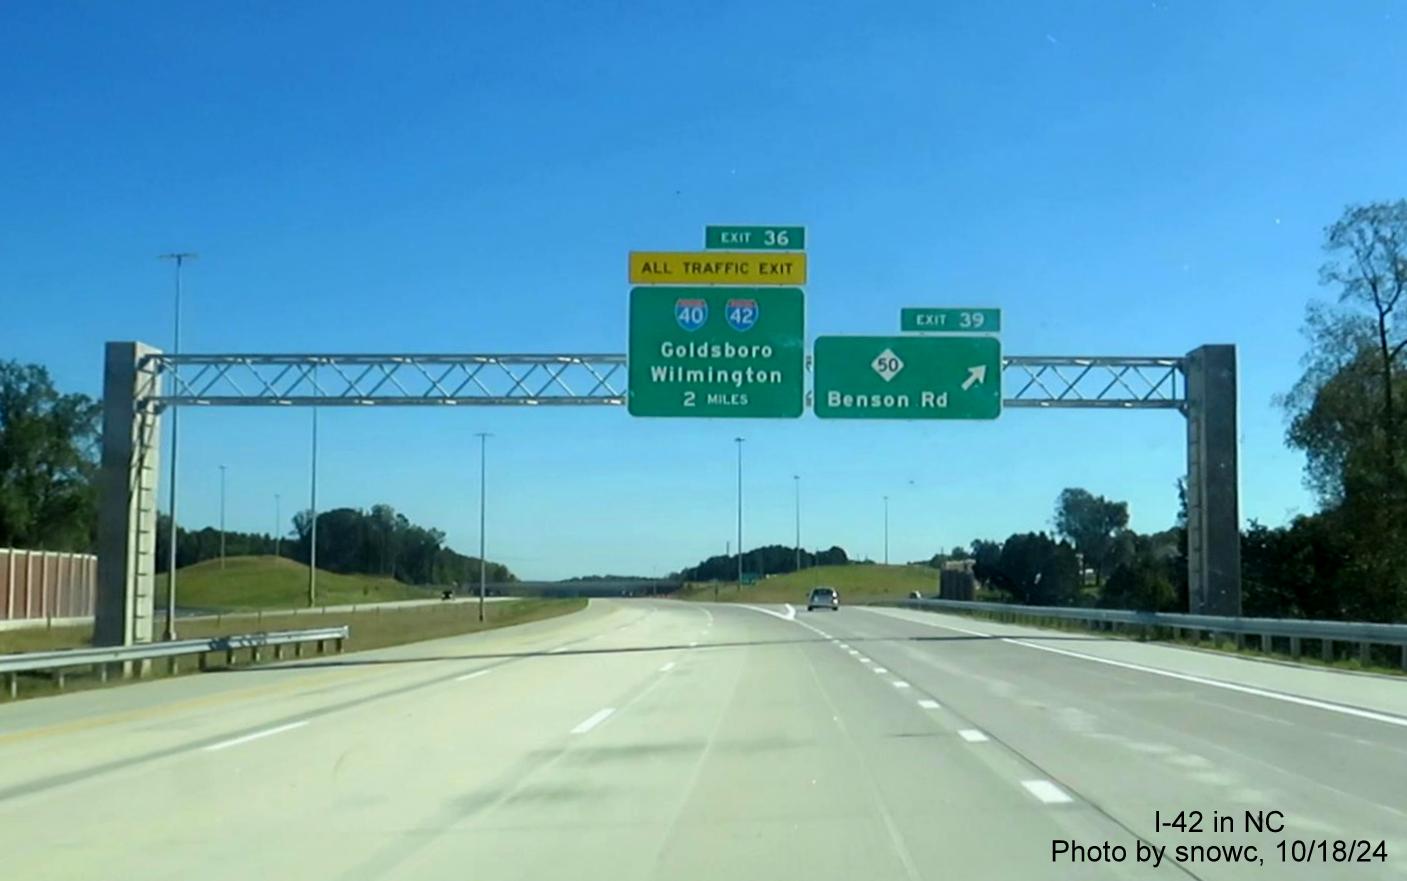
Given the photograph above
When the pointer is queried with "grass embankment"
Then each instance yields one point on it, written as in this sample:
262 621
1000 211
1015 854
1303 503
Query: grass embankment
249 583
856 584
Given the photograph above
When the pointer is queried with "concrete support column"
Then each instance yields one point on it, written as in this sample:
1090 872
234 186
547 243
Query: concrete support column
127 498
1213 483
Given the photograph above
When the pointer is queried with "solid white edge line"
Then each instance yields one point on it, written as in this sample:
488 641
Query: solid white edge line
667 667
593 720
929 704
1400 721
475 675
972 735
1046 791
278 729
1229 686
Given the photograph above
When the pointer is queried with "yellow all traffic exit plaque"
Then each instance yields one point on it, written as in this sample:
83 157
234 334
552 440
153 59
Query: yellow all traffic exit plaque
717 267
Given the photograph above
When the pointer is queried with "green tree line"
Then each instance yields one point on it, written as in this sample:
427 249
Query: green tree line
375 542
761 561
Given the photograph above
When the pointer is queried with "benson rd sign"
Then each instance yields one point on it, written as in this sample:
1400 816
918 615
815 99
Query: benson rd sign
716 351
908 377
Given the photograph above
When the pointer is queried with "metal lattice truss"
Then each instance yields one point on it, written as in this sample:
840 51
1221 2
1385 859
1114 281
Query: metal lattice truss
1116 383
402 380
366 380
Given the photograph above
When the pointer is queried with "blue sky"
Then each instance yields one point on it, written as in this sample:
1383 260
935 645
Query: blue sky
1119 177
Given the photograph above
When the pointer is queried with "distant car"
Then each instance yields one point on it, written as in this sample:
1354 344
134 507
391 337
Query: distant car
915 595
823 598
446 594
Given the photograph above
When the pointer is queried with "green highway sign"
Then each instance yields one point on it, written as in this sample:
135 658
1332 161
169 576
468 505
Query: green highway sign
950 320
908 377
755 238
712 351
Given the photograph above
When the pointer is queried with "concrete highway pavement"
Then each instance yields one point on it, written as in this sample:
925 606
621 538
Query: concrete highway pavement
658 739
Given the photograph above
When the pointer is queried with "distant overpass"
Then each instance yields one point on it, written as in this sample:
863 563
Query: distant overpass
614 588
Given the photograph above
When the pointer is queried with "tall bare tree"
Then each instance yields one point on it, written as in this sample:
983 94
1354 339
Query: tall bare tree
1368 264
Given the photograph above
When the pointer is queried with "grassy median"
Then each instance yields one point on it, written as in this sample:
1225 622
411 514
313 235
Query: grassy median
370 629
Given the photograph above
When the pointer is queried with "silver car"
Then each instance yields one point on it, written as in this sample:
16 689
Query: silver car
823 598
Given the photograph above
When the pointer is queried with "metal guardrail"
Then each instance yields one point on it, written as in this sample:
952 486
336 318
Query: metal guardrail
258 614
1327 633
102 659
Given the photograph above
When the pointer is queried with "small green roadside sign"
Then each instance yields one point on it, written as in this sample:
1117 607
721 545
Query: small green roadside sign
950 320
755 238
715 351
908 377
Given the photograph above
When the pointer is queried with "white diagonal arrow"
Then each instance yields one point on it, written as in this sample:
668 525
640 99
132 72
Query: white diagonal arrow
976 374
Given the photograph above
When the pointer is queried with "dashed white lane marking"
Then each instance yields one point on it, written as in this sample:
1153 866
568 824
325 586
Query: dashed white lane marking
1400 721
853 652
972 735
667 667
710 617
899 683
593 720
844 646
862 659
694 644
1046 791
475 675
929 705
880 670
267 732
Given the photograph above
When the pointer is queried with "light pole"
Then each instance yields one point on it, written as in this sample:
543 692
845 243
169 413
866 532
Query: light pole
796 482
222 516
179 258
313 528
886 530
278 521
483 437
739 442
727 552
